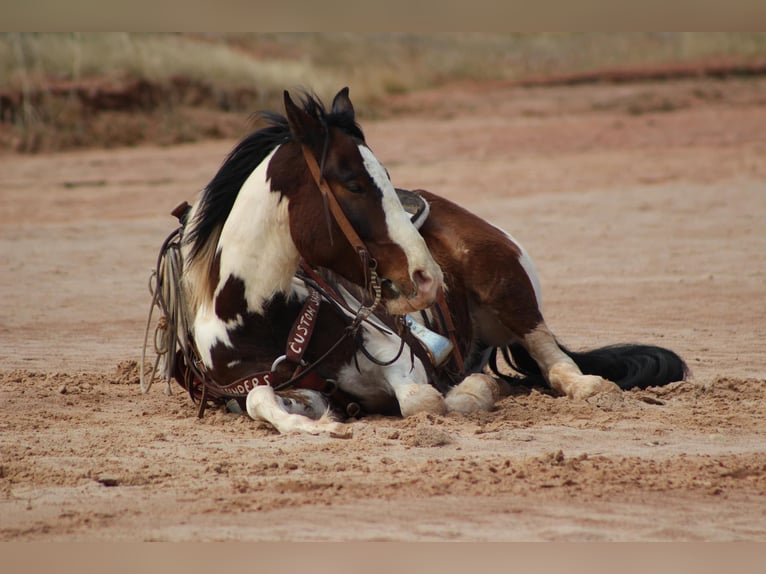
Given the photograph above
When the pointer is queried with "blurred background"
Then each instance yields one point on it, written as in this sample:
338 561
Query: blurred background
73 90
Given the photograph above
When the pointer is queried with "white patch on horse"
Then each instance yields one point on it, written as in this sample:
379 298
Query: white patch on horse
209 330
400 228
255 246
255 242
375 386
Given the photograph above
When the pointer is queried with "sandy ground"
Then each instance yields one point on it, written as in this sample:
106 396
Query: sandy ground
643 207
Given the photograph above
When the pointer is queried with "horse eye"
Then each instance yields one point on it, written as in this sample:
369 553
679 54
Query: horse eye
354 186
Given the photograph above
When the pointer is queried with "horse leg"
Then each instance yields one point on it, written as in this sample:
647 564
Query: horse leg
502 322
414 394
373 383
507 309
411 388
398 387
416 398
490 270
288 412
476 392
561 372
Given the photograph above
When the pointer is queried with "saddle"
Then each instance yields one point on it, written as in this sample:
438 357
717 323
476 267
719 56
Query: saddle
415 206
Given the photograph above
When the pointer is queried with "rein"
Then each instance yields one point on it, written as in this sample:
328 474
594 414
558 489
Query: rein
312 278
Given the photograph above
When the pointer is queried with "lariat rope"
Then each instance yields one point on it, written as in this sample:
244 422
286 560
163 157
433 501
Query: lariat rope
167 295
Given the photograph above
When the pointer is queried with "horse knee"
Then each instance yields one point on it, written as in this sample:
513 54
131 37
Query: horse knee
476 392
416 398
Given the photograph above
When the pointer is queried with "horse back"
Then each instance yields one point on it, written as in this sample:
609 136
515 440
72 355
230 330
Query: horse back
484 266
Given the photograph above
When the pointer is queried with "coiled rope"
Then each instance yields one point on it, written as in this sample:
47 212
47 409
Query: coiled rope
172 327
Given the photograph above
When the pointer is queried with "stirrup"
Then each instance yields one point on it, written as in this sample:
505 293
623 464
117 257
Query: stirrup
438 347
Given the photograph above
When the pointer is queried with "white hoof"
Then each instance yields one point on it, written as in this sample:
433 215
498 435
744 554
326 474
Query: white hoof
414 398
569 381
476 392
591 385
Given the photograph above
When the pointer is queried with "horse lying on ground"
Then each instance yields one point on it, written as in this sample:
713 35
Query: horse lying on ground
300 286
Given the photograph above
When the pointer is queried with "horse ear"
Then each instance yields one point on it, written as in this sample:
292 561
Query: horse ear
342 103
302 125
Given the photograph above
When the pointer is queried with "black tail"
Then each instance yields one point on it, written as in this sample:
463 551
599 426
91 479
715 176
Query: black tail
630 366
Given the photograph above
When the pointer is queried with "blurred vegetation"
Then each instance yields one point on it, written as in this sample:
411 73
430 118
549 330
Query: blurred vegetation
237 74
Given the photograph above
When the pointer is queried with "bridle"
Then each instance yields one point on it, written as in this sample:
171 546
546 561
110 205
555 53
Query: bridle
329 197
372 285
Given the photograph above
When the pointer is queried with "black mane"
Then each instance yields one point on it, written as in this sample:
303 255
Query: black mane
219 195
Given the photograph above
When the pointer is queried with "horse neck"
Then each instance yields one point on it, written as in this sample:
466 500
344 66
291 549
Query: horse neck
255 245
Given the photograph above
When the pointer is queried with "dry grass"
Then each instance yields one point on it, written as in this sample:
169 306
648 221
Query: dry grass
261 65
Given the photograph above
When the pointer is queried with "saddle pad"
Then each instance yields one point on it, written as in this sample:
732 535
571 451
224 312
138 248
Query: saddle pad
414 205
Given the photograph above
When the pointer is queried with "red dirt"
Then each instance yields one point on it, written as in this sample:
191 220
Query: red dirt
642 206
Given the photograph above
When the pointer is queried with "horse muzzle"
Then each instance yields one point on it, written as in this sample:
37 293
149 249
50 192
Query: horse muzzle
423 291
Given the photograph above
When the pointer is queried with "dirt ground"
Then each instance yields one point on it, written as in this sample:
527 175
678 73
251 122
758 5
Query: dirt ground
643 207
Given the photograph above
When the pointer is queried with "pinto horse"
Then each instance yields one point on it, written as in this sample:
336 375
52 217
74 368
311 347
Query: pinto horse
300 239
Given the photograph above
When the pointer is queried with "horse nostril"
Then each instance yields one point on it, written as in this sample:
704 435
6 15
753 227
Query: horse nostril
388 284
423 281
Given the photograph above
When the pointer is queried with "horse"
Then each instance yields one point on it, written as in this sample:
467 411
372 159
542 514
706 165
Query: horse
302 283
306 190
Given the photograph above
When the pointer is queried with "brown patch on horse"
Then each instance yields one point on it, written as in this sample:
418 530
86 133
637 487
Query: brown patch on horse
484 267
259 338
230 302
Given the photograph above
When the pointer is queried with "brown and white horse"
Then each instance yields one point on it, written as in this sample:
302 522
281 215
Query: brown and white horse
265 210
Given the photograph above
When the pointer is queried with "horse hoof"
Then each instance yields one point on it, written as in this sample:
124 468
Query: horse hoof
588 386
475 393
414 398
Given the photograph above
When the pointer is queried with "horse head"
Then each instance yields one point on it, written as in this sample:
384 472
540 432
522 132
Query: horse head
346 171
